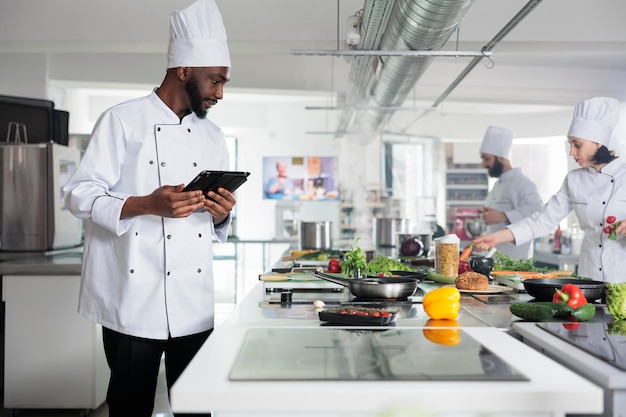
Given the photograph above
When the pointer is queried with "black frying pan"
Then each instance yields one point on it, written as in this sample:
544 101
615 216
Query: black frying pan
375 288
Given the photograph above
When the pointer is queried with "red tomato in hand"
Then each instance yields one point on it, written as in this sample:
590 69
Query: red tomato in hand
607 229
334 266
611 219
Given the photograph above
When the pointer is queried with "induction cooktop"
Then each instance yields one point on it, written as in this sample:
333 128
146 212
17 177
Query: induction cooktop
359 354
606 341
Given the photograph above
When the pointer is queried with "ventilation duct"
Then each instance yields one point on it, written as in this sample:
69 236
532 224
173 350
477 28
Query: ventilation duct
385 81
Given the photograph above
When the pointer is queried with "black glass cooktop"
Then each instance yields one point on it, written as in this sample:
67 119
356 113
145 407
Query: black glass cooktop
606 341
342 354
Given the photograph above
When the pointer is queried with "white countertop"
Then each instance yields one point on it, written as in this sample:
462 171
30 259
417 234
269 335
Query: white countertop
552 389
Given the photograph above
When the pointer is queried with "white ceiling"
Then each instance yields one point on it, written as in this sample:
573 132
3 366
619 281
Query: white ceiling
564 51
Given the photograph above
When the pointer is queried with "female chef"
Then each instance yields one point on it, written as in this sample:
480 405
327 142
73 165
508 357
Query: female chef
594 191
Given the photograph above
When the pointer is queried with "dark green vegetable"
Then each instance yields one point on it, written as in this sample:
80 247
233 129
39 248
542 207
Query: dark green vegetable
560 309
505 262
532 311
584 312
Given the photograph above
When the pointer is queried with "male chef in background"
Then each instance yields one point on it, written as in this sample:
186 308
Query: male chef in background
513 197
147 273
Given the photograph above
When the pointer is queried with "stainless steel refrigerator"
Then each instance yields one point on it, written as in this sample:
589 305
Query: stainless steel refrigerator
33 213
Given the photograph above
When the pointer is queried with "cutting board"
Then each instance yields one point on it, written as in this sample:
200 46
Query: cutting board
278 277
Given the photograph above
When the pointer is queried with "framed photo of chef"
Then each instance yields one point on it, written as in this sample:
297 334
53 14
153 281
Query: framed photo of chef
303 178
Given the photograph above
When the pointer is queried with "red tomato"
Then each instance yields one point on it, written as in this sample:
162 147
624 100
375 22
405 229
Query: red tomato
611 219
334 266
607 229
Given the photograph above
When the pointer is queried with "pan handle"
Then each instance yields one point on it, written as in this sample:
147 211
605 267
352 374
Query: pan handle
341 281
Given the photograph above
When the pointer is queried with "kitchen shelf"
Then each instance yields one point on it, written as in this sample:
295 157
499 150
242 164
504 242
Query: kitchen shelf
466 189
347 230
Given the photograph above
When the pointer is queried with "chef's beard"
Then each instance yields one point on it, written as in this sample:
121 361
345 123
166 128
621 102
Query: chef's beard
496 170
191 87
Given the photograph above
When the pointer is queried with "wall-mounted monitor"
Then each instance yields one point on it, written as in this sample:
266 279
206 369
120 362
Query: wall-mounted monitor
302 178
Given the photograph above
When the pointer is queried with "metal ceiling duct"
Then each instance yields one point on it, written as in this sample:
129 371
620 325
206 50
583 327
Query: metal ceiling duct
412 25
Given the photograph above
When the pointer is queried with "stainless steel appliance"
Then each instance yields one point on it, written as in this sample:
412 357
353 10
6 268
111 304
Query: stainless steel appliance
386 231
315 235
33 213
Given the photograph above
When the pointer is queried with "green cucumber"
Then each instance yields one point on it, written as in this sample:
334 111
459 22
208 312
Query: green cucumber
585 312
532 311
443 279
560 309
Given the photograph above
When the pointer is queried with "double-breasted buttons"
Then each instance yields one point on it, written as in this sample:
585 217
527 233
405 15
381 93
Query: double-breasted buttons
199 270
132 271
169 236
162 164
151 162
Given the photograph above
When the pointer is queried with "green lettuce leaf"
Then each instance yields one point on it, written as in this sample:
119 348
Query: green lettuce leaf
616 300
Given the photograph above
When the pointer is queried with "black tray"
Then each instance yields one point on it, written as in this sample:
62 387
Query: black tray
334 315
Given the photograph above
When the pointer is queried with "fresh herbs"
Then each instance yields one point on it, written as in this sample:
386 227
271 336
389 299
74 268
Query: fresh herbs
505 262
354 262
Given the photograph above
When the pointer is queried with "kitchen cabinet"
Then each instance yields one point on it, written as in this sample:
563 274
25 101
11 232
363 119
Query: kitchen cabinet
53 358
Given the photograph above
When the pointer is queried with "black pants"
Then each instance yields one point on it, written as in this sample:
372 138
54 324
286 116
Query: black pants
134 364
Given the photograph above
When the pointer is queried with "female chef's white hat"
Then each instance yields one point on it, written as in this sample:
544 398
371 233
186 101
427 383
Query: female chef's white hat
594 119
198 37
497 141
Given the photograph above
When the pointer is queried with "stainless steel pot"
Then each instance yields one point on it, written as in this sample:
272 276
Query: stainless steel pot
315 235
375 288
386 230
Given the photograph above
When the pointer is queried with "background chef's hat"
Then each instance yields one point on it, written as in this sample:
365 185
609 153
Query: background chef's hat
497 141
198 37
594 119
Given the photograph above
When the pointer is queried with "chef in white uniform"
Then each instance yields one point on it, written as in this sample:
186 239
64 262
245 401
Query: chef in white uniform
594 192
147 273
513 197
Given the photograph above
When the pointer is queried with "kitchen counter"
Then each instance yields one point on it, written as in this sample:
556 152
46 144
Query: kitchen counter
57 263
206 385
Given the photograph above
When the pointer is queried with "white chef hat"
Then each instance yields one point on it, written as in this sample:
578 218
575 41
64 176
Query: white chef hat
198 37
497 141
594 119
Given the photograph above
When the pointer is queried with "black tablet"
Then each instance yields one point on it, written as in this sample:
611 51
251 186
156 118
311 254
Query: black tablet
212 180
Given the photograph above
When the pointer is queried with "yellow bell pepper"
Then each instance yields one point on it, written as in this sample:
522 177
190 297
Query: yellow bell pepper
442 303
443 332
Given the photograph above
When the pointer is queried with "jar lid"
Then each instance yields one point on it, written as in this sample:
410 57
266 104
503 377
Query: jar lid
449 239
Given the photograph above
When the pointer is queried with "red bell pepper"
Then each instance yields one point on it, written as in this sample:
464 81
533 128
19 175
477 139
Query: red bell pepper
570 294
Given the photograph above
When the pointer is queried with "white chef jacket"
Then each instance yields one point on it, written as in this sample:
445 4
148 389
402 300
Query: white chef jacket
146 276
593 196
516 195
